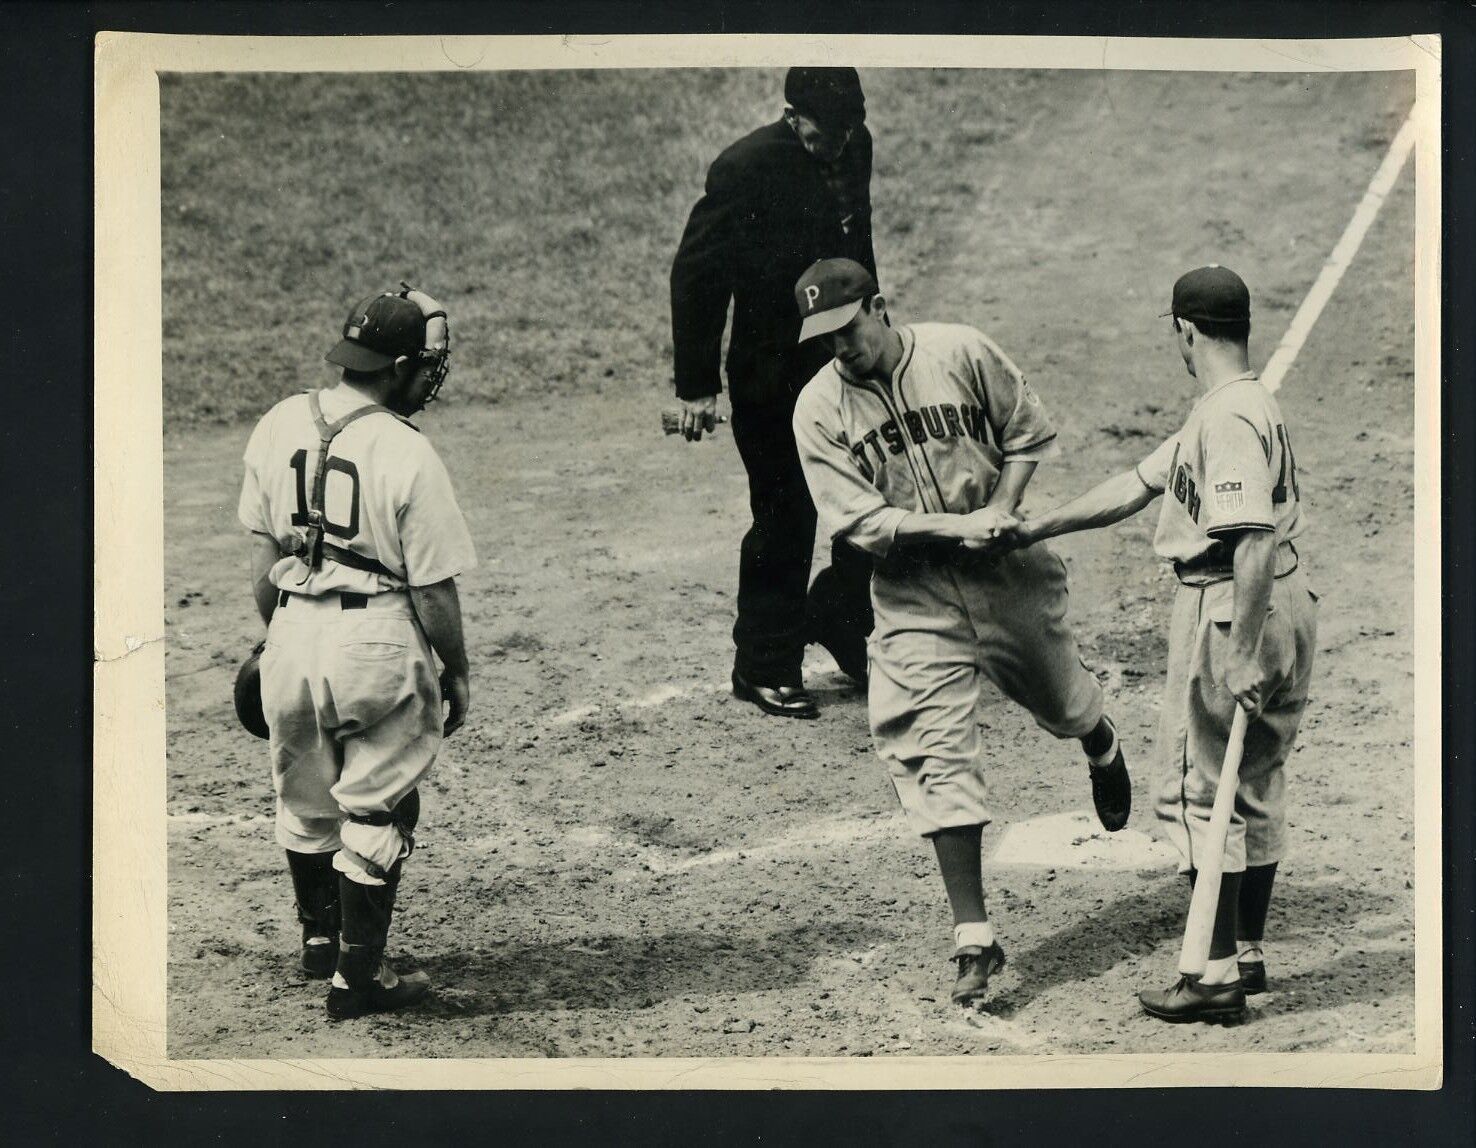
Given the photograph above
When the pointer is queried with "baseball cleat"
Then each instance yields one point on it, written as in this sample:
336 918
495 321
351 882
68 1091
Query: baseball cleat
781 701
1190 1000
387 992
319 957
1112 792
975 966
1252 976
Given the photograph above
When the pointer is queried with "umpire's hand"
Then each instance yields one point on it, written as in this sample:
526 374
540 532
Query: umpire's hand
698 415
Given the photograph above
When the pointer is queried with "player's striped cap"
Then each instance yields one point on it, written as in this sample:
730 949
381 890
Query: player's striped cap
379 330
1213 294
829 294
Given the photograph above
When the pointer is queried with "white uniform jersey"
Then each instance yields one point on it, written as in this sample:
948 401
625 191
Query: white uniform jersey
1229 468
932 441
387 497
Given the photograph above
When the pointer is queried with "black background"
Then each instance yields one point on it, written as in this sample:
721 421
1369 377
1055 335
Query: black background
56 1089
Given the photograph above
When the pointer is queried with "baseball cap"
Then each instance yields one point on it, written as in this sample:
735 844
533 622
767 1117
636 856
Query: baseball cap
830 95
1214 294
829 294
378 331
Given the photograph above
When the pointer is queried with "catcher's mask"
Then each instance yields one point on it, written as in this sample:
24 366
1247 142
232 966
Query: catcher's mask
435 357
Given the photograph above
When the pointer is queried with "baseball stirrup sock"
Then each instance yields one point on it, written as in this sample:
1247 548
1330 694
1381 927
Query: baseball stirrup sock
1222 940
1255 900
1107 757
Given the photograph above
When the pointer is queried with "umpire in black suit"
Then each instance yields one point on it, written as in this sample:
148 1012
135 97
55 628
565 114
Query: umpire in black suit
792 192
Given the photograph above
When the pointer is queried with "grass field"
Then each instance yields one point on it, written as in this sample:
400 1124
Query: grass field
617 858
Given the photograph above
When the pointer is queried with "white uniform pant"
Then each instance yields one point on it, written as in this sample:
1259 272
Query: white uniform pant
942 628
354 707
1197 711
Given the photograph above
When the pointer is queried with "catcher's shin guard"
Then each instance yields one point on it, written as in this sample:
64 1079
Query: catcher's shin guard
315 887
366 913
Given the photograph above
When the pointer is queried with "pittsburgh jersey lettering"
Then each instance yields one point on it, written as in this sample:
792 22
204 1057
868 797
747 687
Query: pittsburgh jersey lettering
932 438
938 421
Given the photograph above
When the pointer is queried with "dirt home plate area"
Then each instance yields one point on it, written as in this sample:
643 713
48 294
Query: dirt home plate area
617 858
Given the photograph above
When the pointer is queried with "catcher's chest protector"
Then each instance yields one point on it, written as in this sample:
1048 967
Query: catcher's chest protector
310 549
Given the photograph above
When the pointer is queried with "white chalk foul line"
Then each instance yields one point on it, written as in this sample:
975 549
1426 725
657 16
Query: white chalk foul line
1342 255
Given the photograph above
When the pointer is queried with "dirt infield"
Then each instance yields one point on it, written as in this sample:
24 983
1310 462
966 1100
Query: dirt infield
617 858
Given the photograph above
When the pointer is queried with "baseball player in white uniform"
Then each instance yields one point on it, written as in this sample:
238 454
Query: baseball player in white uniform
1244 625
356 544
917 444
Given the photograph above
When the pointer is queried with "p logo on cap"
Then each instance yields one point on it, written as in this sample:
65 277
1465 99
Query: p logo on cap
829 294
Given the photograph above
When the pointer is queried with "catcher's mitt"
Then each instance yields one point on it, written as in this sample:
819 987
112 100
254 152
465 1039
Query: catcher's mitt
248 694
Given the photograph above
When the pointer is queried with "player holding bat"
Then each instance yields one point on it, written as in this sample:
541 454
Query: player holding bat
1241 640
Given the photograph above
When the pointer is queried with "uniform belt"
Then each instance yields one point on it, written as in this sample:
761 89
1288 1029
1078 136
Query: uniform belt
347 599
914 556
1202 573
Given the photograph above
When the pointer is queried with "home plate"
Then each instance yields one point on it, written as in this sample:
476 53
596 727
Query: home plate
1076 840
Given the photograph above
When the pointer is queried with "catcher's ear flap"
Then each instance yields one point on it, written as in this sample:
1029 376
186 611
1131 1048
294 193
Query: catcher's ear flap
248 695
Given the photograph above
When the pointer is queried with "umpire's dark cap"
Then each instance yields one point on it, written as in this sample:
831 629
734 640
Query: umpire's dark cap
1212 294
831 96
378 331
829 294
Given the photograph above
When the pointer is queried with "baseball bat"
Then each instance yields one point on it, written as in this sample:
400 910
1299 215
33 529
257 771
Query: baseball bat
1194 955
671 421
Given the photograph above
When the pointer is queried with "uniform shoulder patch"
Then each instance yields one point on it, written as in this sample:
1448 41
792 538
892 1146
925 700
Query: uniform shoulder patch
1229 496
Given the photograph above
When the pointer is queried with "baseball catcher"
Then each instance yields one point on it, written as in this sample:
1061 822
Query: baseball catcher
357 541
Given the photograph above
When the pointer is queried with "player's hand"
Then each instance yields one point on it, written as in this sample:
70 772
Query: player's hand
455 690
698 415
1244 679
982 530
1013 535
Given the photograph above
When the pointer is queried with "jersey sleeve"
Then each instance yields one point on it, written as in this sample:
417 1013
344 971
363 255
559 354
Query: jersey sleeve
847 503
252 508
1022 427
1237 474
1153 471
433 534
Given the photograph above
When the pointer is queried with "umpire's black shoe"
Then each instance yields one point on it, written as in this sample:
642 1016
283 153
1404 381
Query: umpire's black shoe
781 701
975 966
388 992
319 957
1112 792
1190 1000
1252 976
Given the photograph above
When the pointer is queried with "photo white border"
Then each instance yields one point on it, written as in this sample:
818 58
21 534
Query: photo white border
130 881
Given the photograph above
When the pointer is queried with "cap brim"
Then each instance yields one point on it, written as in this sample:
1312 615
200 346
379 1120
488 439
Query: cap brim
824 322
357 357
1207 318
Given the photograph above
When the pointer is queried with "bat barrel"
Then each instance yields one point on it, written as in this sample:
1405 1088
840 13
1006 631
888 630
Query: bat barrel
1198 930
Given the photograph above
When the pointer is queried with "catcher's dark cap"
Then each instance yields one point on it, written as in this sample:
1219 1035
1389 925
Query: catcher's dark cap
829 294
378 331
832 96
1214 294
